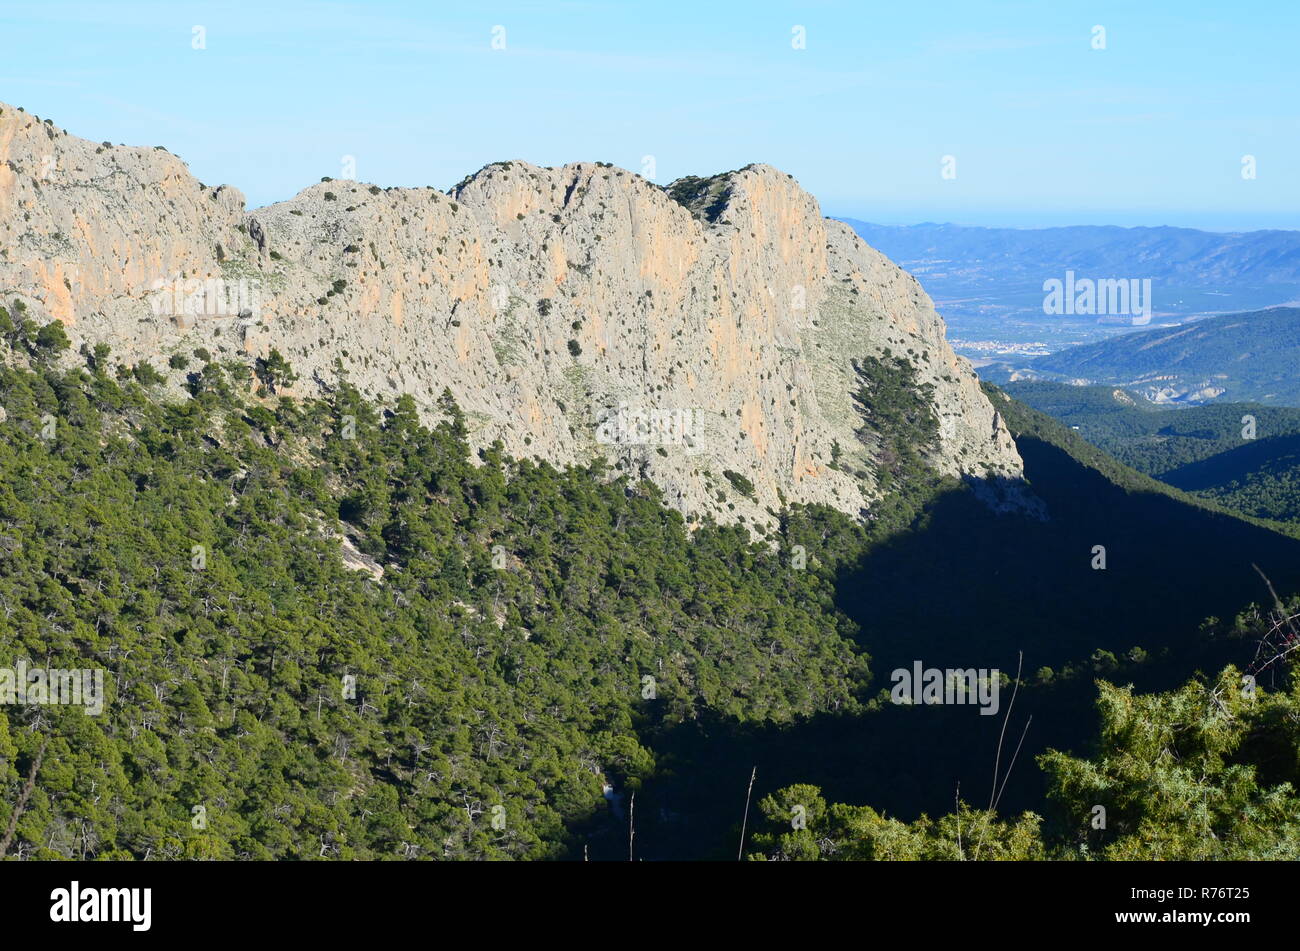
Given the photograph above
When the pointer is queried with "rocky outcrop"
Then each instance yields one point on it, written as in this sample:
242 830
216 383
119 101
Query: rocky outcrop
700 336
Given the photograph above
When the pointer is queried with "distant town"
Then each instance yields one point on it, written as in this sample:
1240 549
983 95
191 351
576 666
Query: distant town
1035 348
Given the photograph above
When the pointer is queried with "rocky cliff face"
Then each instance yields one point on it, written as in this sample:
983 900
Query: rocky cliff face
685 334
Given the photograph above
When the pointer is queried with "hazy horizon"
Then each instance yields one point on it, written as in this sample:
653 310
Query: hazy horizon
1212 223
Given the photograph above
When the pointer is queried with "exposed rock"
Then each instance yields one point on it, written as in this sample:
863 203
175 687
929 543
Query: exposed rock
257 234
357 560
721 315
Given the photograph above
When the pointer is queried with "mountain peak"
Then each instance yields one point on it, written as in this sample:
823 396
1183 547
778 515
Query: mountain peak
700 335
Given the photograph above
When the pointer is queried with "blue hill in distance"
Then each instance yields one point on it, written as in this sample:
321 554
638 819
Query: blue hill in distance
988 282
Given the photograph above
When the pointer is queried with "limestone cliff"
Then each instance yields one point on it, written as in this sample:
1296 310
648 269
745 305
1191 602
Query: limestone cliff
684 333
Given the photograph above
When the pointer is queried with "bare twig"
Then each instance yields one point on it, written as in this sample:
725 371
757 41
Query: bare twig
956 811
1013 761
1289 643
25 795
745 821
1277 602
997 760
995 793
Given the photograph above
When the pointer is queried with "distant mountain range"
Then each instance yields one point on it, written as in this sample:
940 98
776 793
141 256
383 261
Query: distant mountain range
988 282
1250 356
957 258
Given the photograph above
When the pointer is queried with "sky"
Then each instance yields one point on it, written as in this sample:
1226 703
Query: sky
989 113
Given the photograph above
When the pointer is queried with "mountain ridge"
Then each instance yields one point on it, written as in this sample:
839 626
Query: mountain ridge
991 284
1203 257
551 302
1239 357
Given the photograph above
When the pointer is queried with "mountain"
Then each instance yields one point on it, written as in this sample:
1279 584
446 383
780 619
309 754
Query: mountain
574 312
989 282
1238 357
947 256
356 590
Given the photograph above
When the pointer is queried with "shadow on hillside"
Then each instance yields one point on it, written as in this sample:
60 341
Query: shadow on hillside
1274 454
969 588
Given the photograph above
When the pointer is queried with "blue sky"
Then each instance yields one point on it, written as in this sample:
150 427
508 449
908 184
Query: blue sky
1044 128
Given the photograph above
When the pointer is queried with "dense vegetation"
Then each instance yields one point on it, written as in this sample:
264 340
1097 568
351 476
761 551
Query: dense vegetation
897 416
1154 438
1260 478
1242 456
332 631
1207 771
533 631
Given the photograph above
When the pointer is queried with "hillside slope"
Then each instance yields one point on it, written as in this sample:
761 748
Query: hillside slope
345 636
1234 358
1155 438
963 587
1241 456
1260 478
336 636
